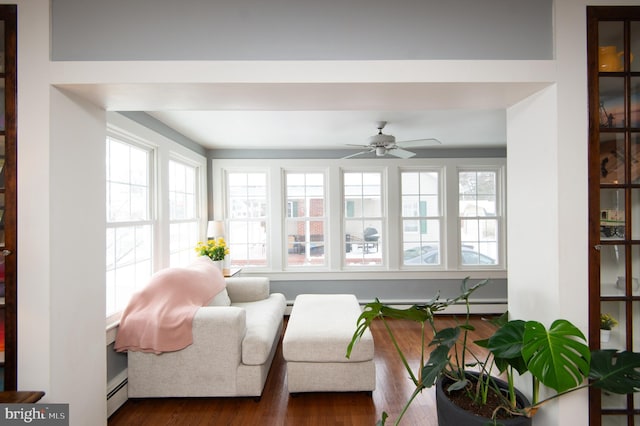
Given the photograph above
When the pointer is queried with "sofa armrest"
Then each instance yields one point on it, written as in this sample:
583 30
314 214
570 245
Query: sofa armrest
248 289
206 367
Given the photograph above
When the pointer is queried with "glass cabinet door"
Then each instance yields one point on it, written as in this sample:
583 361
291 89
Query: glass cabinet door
8 237
614 192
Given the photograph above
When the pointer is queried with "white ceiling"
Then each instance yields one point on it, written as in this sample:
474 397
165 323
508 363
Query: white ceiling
320 116
334 129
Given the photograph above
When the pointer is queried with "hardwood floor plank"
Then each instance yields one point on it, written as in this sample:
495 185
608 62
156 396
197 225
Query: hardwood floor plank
277 407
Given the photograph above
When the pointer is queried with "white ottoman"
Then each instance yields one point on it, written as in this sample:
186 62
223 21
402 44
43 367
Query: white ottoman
315 343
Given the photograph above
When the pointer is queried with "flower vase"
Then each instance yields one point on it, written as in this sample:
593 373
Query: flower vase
219 264
605 335
226 266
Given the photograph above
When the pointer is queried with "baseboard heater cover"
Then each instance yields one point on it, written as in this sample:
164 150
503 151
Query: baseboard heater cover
117 393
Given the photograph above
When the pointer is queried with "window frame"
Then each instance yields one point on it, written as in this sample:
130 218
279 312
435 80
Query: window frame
382 219
164 149
441 217
151 221
499 217
324 218
268 243
393 266
197 205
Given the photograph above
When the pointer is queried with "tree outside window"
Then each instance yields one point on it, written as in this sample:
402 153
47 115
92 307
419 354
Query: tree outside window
129 227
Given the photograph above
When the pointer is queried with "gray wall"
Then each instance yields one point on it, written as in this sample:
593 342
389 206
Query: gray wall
94 30
393 291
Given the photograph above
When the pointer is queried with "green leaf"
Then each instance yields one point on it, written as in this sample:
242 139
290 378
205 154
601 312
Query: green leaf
446 337
437 362
558 358
615 372
382 421
506 346
457 385
371 311
501 320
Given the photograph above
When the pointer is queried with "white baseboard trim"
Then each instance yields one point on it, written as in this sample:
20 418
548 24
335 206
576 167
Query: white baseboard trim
117 392
482 308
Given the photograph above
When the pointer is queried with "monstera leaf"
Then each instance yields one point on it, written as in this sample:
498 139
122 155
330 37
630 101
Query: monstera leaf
506 346
615 372
559 357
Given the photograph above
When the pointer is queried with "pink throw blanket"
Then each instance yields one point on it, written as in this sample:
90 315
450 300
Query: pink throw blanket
159 317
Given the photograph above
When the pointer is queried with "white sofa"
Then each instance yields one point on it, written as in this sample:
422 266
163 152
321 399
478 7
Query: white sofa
234 343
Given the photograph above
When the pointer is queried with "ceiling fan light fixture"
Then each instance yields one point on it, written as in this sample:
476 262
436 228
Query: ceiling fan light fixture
383 144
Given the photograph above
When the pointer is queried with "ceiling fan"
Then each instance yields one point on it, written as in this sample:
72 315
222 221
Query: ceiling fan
383 144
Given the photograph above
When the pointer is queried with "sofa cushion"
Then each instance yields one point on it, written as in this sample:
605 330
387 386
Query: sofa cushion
221 299
264 318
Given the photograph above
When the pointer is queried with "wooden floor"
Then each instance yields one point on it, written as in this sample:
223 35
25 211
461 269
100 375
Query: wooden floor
276 407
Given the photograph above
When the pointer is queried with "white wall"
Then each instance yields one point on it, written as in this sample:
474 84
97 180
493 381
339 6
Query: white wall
34 243
60 233
77 292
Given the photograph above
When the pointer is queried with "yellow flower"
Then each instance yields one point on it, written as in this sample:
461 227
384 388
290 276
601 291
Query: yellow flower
216 249
607 322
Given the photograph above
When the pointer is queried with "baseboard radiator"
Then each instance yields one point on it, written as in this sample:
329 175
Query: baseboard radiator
116 392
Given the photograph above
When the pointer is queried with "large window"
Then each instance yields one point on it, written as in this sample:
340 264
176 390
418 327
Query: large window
129 220
363 218
479 217
155 213
183 212
247 203
305 219
421 217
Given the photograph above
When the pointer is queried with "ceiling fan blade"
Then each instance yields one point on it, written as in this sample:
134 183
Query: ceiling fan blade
357 154
417 143
401 153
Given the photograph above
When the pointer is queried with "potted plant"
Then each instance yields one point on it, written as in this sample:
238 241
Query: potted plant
558 358
216 249
607 322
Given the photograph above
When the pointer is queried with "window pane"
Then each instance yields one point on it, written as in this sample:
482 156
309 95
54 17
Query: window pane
247 209
421 218
363 218
477 201
363 242
305 238
129 247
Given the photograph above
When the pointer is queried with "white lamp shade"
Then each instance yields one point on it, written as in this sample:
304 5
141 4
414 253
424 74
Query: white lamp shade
215 229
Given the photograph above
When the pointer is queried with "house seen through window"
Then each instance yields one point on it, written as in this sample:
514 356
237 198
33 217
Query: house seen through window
305 219
363 218
247 202
421 217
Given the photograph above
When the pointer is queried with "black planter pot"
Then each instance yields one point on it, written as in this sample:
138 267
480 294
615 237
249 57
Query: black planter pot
449 414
